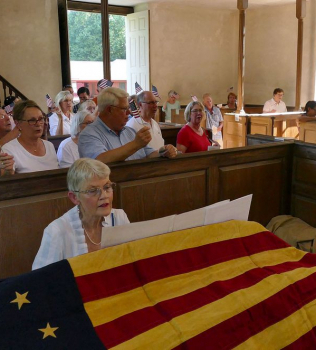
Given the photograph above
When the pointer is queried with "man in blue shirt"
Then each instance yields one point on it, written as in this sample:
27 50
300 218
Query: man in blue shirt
109 140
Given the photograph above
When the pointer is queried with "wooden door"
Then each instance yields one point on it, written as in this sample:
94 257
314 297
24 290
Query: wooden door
137 50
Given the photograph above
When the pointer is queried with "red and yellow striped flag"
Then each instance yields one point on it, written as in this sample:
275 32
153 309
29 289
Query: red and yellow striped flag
223 286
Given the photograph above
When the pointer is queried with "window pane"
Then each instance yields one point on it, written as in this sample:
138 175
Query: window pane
86 55
118 50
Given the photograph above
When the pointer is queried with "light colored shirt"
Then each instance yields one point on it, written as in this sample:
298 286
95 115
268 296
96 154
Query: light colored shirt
67 153
169 107
25 162
99 138
213 119
270 105
64 238
53 124
156 137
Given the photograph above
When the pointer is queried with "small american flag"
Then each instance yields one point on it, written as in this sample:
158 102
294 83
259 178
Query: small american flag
49 102
9 108
138 88
155 91
230 89
133 108
105 83
194 98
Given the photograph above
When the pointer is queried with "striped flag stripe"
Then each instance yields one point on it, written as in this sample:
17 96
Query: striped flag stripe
144 271
137 322
143 249
105 310
195 322
304 342
258 318
286 331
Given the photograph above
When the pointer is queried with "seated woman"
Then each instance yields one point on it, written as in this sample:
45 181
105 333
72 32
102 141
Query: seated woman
231 102
192 137
79 230
90 106
171 103
68 152
30 152
59 122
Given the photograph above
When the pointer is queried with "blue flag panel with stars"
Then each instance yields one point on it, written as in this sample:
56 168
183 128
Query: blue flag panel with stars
44 310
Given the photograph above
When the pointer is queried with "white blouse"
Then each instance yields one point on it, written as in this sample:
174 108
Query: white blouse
64 238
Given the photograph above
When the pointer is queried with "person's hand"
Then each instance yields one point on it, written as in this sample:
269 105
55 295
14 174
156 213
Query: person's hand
273 111
143 137
170 151
6 163
220 128
215 143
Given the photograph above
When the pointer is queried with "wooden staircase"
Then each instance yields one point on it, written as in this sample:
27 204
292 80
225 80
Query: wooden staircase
9 90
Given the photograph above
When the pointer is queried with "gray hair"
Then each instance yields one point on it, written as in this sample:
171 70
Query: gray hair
76 120
110 96
60 97
188 109
84 170
83 106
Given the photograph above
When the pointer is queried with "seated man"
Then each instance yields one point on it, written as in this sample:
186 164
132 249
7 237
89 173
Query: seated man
214 119
84 95
109 140
148 107
6 134
275 105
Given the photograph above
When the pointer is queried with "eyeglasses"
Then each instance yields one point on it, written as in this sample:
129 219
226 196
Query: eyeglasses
151 103
96 191
125 109
33 121
195 111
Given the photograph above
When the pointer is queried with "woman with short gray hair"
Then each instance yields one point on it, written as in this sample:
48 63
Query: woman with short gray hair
60 121
192 137
68 149
79 231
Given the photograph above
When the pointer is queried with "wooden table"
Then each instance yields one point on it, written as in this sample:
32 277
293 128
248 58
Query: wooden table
237 126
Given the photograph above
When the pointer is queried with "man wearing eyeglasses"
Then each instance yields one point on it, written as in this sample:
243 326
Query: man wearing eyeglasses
108 139
148 108
6 134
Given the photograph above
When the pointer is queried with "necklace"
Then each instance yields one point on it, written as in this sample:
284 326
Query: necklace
84 230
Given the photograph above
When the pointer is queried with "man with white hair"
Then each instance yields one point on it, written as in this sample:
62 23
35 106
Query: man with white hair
109 140
148 108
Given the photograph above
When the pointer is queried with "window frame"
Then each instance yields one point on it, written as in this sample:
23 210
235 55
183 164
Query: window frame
105 9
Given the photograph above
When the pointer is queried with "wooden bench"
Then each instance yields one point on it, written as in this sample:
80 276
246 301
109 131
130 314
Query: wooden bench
147 189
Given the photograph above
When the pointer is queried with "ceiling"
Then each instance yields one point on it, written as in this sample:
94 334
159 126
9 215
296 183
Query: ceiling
223 4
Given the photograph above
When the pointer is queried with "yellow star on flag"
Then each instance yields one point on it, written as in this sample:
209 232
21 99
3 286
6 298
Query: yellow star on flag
20 299
49 331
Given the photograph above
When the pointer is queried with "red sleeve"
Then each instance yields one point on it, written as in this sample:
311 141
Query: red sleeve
183 137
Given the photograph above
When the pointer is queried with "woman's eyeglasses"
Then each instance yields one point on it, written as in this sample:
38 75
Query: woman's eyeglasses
33 121
96 191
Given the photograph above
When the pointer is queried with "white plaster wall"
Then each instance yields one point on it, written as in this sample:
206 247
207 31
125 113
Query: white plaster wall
30 53
193 50
271 53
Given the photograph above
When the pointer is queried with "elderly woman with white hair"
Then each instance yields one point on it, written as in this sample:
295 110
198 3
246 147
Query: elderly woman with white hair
90 106
60 121
79 231
68 152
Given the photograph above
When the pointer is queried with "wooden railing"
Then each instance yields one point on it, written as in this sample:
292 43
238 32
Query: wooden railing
9 89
